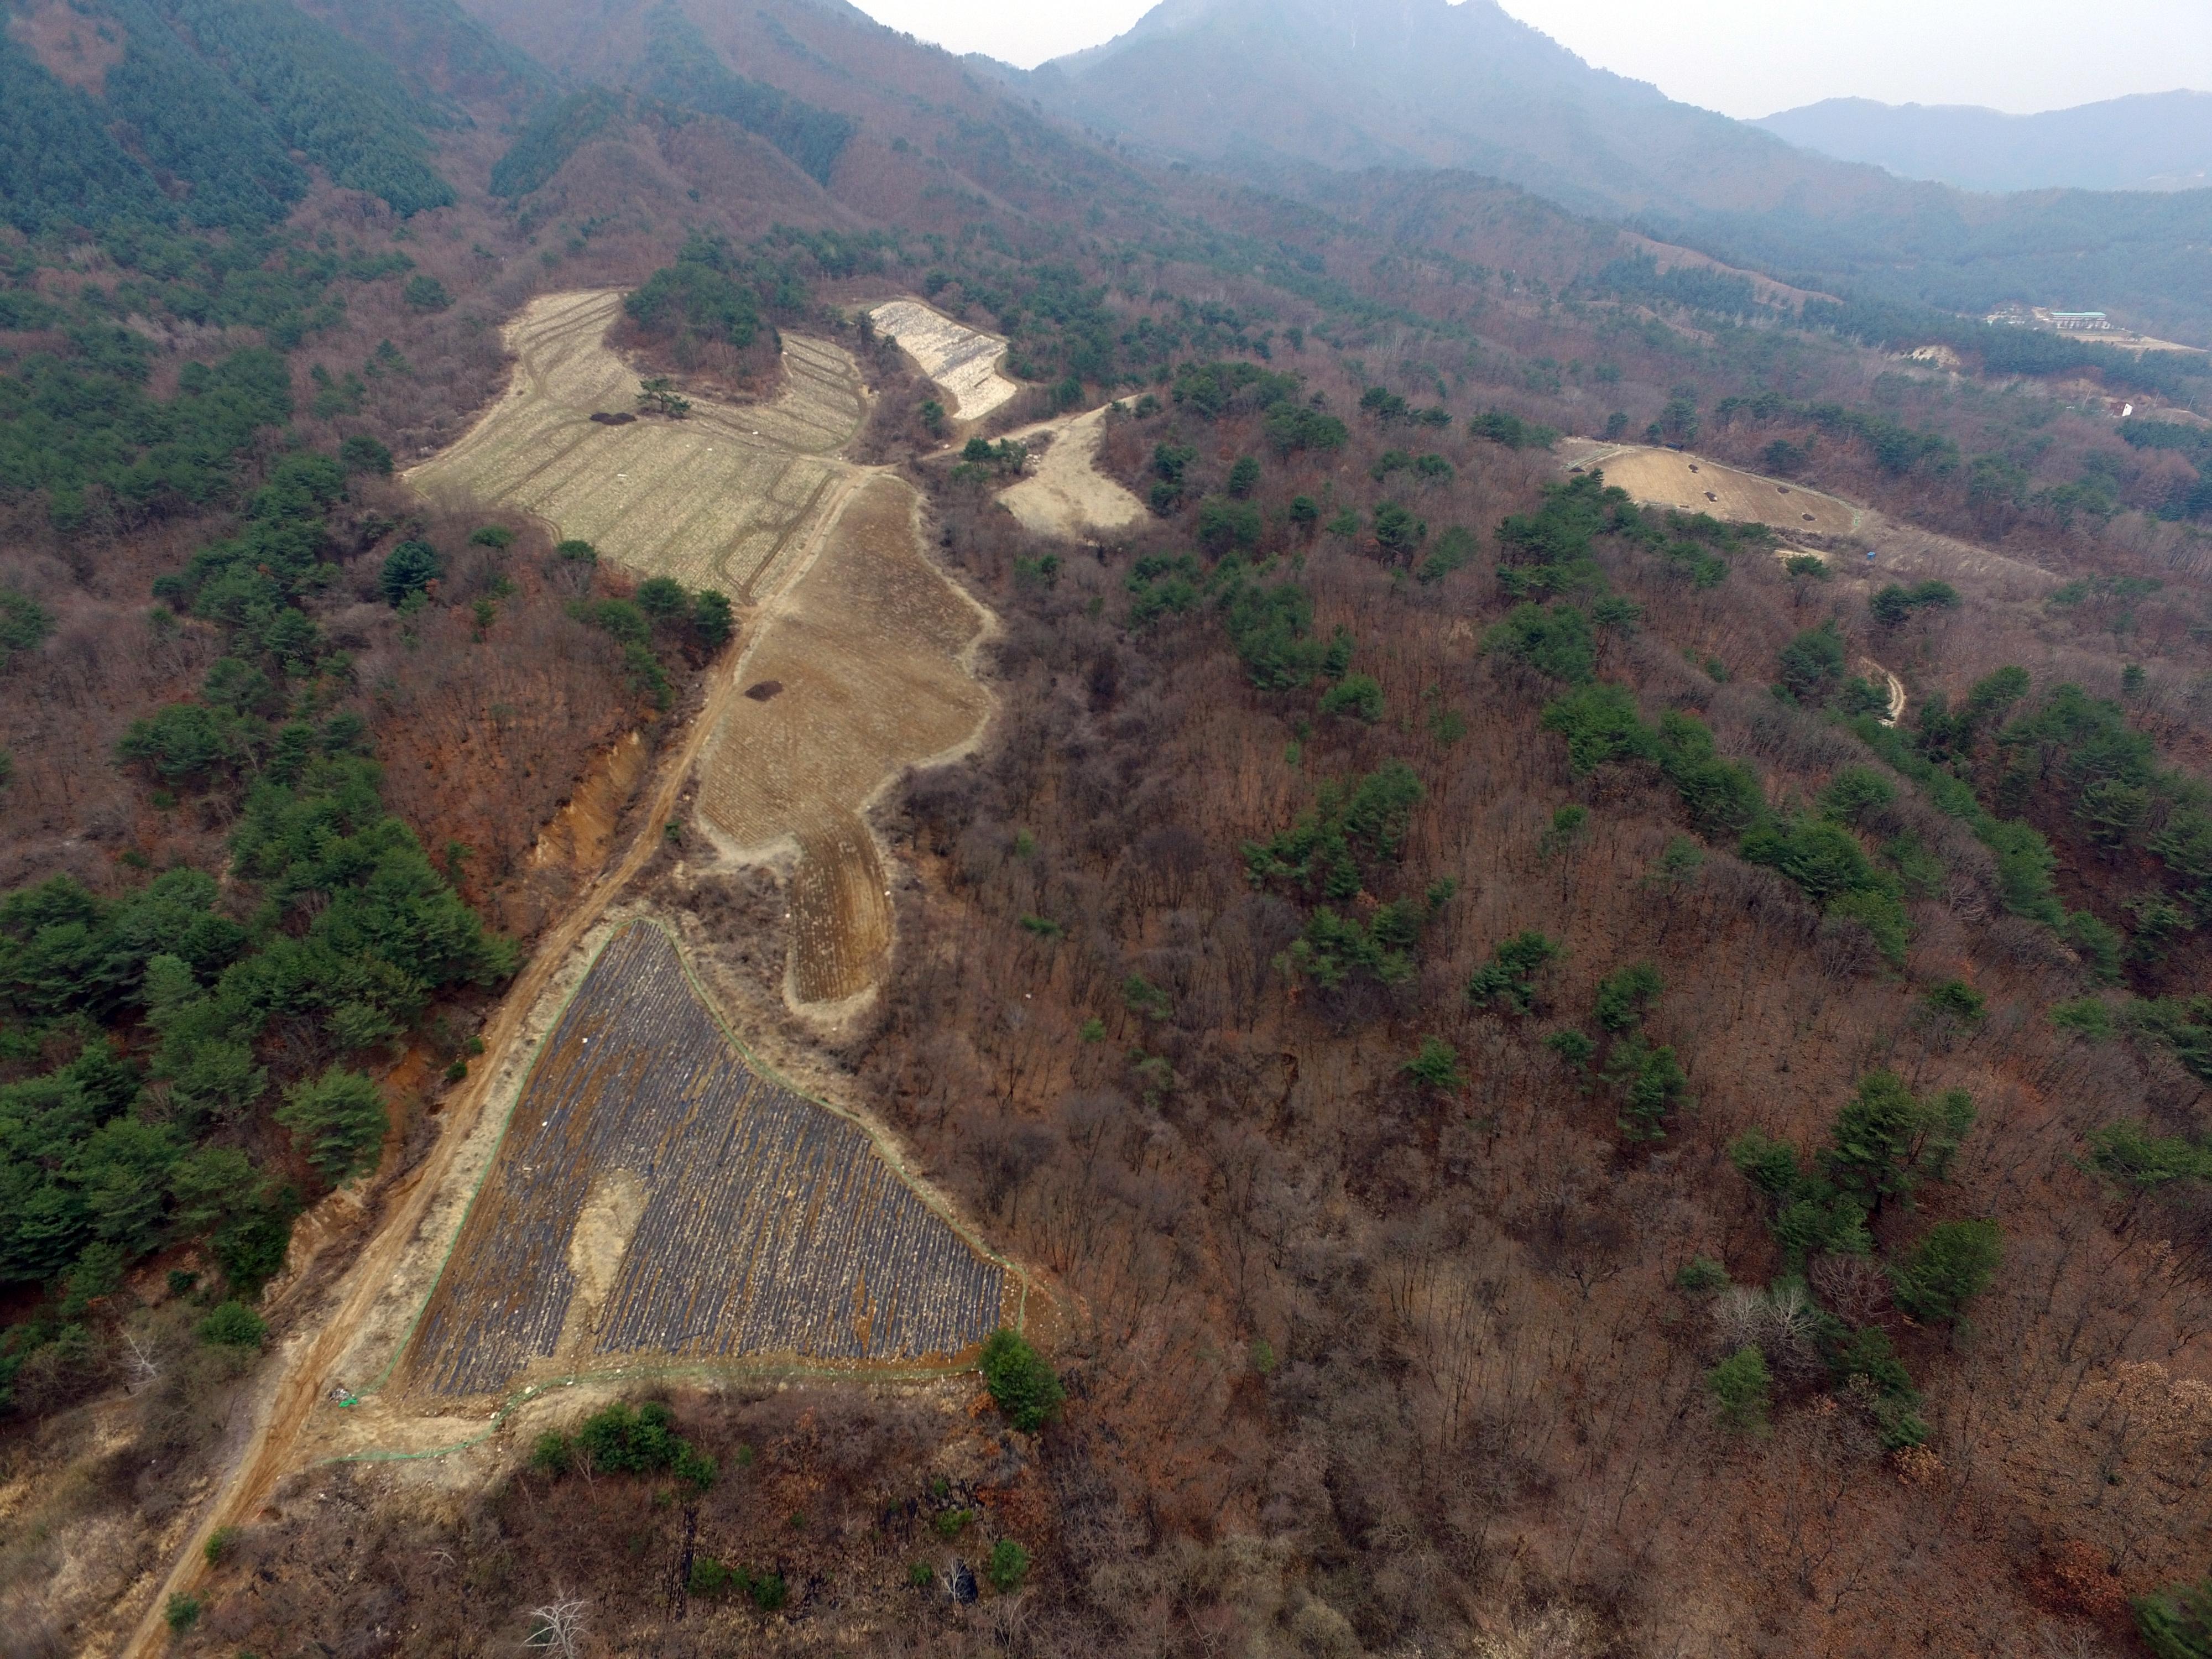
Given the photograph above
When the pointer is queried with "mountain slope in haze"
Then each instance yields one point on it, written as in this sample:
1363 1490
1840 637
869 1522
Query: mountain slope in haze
439 45
891 129
199 111
1275 88
2153 141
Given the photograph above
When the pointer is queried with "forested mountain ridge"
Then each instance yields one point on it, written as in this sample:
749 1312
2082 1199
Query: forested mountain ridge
214 96
2152 140
1565 1135
1270 90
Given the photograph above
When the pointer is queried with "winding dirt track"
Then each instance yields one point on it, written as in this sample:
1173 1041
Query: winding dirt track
288 1401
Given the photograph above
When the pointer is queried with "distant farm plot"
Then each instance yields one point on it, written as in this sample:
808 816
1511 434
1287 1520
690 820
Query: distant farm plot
1667 477
656 1194
866 655
959 358
721 499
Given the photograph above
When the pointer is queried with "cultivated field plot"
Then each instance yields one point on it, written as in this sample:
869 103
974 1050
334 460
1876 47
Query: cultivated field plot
656 1195
866 657
1667 477
1065 495
959 359
721 499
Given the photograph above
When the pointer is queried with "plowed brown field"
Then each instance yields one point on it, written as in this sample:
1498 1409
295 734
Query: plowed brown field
657 1195
870 646
721 499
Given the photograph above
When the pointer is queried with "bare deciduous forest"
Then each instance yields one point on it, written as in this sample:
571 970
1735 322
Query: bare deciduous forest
1555 1128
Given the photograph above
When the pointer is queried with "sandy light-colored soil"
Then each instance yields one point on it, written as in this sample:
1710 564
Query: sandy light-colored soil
1695 483
869 653
723 498
1065 493
1887 550
963 361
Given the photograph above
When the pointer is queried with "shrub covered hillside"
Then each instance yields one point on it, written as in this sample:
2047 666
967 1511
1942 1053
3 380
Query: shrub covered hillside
1549 1103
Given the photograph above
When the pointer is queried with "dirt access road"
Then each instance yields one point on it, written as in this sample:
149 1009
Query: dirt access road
305 1366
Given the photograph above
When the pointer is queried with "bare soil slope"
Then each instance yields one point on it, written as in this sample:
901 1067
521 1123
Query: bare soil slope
1694 483
1697 483
1065 495
768 1225
963 361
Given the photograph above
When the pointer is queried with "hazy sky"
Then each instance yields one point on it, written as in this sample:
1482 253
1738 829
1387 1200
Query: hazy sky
1748 56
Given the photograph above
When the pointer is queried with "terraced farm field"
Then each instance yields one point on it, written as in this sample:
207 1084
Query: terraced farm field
859 669
1667 477
657 1195
959 358
721 499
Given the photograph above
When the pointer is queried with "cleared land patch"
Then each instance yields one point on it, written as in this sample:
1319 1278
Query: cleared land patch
1692 483
959 358
707 1210
869 646
721 499
1065 495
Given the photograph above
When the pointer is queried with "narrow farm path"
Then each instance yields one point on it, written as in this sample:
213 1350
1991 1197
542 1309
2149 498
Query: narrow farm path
1896 711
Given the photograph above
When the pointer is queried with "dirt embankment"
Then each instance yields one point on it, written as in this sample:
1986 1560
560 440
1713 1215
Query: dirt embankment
962 359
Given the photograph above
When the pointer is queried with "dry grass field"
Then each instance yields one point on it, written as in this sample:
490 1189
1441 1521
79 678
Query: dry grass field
1667 477
657 1195
867 652
1065 493
959 358
723 498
